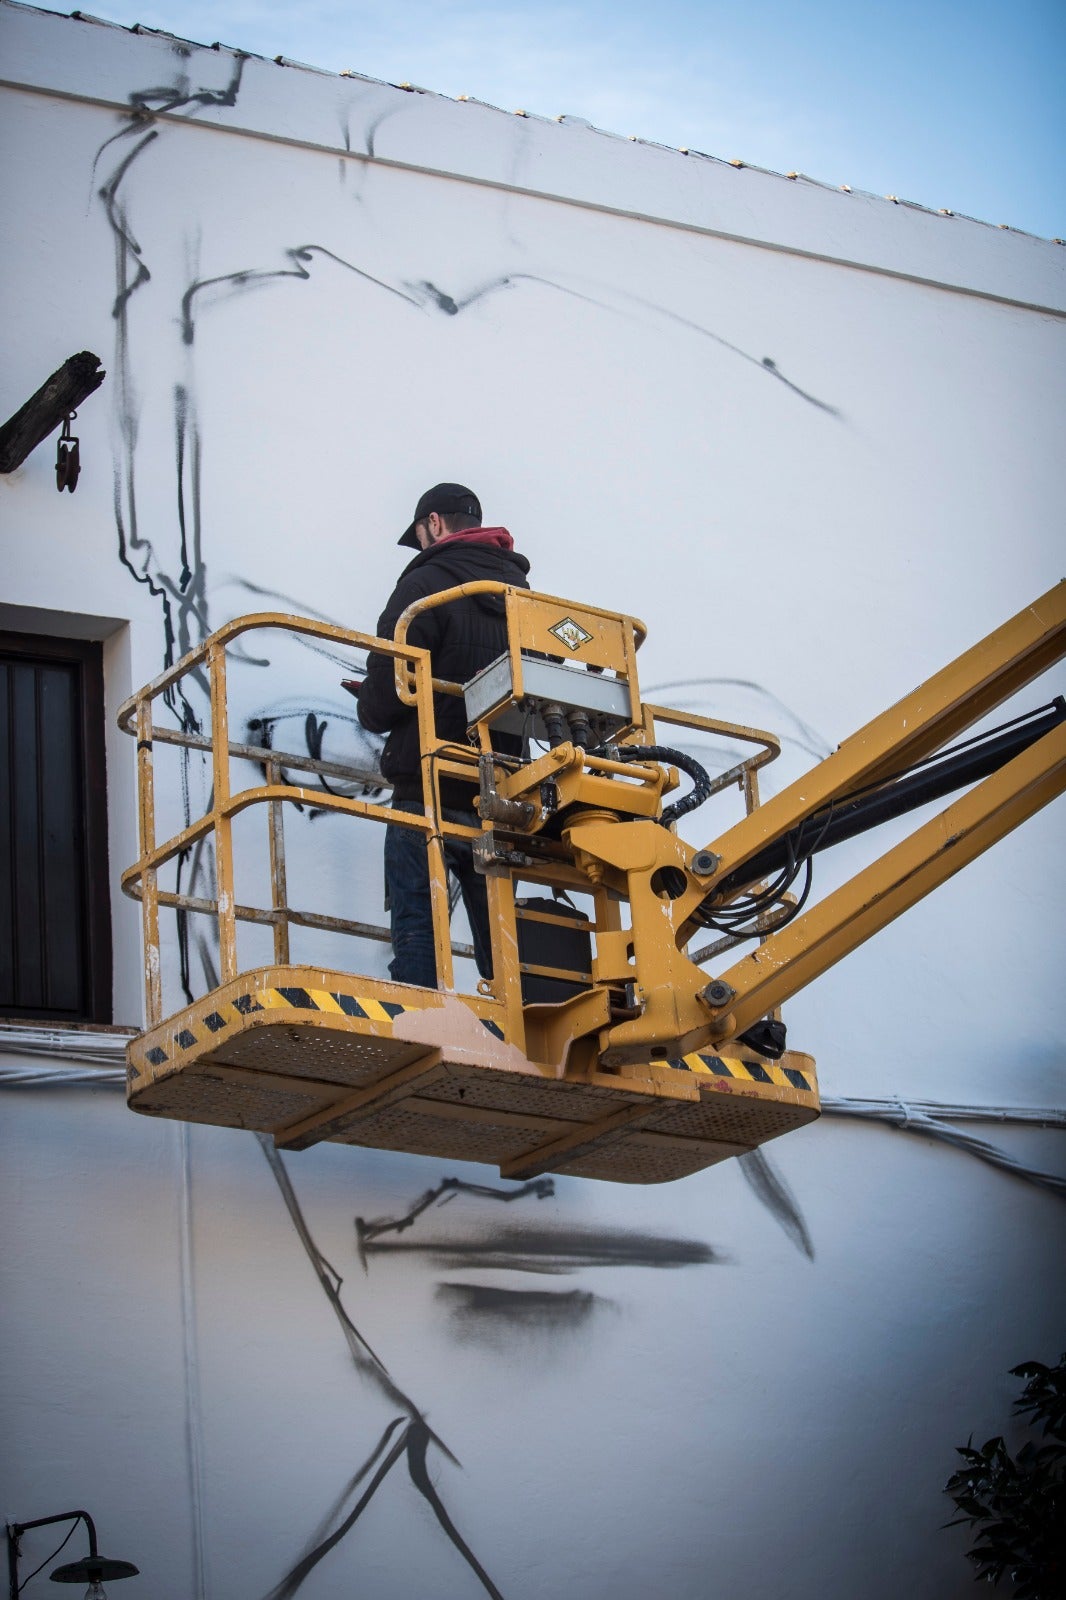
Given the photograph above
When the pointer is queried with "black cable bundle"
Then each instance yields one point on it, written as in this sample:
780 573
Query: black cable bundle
740 918
929 779
676 758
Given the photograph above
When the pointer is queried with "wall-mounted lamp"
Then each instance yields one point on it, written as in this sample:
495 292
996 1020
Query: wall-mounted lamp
92 1569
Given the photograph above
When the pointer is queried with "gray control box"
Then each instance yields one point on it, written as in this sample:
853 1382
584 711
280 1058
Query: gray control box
491 694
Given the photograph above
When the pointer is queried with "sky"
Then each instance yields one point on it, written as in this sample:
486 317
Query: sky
951 103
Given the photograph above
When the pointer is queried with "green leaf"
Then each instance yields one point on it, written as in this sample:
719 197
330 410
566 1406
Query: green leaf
1017 1504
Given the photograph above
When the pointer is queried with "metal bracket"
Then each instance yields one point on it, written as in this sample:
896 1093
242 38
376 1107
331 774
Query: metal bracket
492 807
68 457
489 855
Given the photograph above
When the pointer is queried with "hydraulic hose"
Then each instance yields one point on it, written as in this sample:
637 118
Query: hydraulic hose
661 752
932 779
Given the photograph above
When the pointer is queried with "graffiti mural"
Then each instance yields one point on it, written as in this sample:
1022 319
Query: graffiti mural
186 562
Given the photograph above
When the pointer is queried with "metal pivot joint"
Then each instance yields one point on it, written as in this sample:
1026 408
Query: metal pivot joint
492 807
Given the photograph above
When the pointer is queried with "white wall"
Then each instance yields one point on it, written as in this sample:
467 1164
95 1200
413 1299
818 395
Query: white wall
315 296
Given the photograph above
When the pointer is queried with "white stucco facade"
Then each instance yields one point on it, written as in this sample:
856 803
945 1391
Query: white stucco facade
813 439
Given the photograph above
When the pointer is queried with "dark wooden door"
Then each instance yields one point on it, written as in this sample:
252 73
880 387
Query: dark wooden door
55 933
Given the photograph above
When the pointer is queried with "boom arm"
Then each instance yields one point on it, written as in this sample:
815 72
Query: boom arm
949 703
942 708
675 1010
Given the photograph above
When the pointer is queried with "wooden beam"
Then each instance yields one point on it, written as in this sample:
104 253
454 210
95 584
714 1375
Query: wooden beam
46 410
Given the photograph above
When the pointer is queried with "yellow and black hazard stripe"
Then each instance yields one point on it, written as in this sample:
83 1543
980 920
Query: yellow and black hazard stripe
364 1007
295 999
769 1072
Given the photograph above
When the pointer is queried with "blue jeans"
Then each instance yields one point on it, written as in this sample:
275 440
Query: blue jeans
407 881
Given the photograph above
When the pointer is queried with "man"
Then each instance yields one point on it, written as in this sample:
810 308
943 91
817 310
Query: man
463 637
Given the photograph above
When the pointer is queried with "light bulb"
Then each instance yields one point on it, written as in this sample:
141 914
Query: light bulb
95 1591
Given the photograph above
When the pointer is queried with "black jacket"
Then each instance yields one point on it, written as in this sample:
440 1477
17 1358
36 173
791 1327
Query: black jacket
463 637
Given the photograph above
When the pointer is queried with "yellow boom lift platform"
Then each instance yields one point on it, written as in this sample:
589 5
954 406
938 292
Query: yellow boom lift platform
600 1047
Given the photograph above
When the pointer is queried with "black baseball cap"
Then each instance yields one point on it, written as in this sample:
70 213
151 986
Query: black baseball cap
445 499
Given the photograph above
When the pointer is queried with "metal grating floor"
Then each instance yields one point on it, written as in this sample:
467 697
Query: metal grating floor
300 1055
300 1051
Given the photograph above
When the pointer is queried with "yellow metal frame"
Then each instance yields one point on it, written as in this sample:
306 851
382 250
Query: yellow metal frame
636 1077
141 880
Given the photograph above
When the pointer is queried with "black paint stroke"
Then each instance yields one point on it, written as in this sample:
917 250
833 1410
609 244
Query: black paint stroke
293 1580
314 732
181 416
321 1532
442 301
293 603
260 731
135 554
418 1438
181 96
195 868
252 277
182 596
771 366
451 307
446 1190
370 133
417 1435
192 579
555 1250
127 248
471 1305
412 1442
185 595
346 139
366 1360
807 738
426 290
146 104
300 607
769 1186
763 364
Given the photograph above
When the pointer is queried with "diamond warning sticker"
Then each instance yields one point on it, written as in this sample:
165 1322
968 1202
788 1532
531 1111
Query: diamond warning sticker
570 633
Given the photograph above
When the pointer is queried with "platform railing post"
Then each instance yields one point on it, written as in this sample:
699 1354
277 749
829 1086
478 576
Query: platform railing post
436 861
223 827
153 986
278 885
